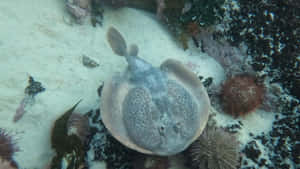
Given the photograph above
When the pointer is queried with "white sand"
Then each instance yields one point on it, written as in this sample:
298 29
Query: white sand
36 40
255 123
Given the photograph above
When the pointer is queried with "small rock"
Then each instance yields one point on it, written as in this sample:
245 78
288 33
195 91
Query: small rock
88 62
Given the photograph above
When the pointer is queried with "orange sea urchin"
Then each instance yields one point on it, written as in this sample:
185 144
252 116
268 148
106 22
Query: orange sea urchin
241 94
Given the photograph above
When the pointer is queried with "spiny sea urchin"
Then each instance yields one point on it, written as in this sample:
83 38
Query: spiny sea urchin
7 150
214 149
241 94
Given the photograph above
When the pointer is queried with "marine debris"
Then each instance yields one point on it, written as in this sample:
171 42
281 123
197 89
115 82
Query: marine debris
7 149
31 91
153 110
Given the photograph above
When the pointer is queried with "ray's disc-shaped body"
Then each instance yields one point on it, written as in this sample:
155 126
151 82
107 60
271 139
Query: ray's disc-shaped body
153 110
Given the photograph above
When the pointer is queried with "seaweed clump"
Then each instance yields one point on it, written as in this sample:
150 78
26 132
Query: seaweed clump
67 142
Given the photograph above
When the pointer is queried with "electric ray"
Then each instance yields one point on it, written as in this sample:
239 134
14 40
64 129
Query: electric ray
153 110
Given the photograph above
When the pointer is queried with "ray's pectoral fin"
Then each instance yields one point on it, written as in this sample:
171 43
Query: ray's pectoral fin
116 41
181 72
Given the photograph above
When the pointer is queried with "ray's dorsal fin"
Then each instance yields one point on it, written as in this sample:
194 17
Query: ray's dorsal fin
116 42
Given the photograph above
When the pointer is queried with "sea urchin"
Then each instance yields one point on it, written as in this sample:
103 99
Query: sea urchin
241 94
214 149
7 150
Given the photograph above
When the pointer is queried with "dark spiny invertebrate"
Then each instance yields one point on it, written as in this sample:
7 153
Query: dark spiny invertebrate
7 150
214 149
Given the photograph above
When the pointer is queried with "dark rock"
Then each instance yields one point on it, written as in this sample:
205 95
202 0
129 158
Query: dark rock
252 151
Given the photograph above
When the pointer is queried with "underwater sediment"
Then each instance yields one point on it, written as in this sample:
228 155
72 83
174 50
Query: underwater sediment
268 30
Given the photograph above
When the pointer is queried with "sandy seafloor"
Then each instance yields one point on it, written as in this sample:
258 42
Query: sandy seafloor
37 39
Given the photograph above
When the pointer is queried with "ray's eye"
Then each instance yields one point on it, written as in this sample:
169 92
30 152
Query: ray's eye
161 130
